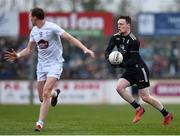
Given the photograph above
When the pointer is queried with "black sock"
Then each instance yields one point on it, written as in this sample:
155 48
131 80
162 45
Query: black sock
164 112
135 104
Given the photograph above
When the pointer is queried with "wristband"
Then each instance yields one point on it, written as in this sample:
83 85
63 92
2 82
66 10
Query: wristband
18 55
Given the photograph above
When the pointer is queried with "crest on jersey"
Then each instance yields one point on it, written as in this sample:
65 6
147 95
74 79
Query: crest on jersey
43 44
117 38
122 48
123 39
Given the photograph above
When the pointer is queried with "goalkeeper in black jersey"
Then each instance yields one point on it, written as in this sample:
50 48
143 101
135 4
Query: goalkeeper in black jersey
136 71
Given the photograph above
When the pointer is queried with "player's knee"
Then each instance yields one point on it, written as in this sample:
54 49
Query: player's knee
46 94
145 98
119 88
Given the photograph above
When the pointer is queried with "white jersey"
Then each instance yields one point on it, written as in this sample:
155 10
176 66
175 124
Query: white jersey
49 45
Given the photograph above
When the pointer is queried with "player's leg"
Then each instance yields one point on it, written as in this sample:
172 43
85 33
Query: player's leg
41 79
122 84
40 86
121 89
135 92
146 97
48 87
52 76
55 72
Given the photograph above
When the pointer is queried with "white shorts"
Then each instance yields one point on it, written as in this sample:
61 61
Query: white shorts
53 71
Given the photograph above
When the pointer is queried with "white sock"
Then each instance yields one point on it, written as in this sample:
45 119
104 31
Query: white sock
53 93
40 122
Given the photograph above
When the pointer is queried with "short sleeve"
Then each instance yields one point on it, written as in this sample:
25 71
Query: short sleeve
58 30
31 37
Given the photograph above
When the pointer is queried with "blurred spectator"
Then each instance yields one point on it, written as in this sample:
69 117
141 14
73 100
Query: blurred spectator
161 56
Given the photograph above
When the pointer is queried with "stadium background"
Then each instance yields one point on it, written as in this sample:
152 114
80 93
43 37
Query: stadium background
84 80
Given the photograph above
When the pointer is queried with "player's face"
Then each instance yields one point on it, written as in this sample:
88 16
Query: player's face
33 20
123 26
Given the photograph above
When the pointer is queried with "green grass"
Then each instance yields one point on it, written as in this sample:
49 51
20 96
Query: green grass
86 120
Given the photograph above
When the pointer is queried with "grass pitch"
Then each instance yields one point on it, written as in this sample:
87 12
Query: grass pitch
86 120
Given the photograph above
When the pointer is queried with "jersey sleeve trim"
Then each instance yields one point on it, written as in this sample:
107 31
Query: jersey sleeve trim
132 36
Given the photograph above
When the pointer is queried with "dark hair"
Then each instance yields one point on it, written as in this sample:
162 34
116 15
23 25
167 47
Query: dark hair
127 18
37 12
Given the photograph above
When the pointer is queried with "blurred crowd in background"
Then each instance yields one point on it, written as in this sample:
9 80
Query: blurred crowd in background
161 54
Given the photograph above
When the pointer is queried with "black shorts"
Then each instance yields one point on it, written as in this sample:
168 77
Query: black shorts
138 76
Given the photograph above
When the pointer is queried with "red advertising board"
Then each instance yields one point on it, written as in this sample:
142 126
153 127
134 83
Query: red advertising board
85 23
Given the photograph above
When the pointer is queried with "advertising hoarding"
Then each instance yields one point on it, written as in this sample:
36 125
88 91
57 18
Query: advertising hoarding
82 23
86 92
159 24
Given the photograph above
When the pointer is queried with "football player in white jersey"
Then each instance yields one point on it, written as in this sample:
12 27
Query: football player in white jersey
47 37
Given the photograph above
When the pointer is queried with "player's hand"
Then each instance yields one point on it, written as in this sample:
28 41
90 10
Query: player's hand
10 55
90 52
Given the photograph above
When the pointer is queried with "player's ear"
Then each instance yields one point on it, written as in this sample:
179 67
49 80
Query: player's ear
129 27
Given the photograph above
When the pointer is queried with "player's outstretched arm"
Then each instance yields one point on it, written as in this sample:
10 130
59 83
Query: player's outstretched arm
12 55
77 43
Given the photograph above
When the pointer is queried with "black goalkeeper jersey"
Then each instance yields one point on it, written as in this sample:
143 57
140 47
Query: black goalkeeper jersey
129 47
